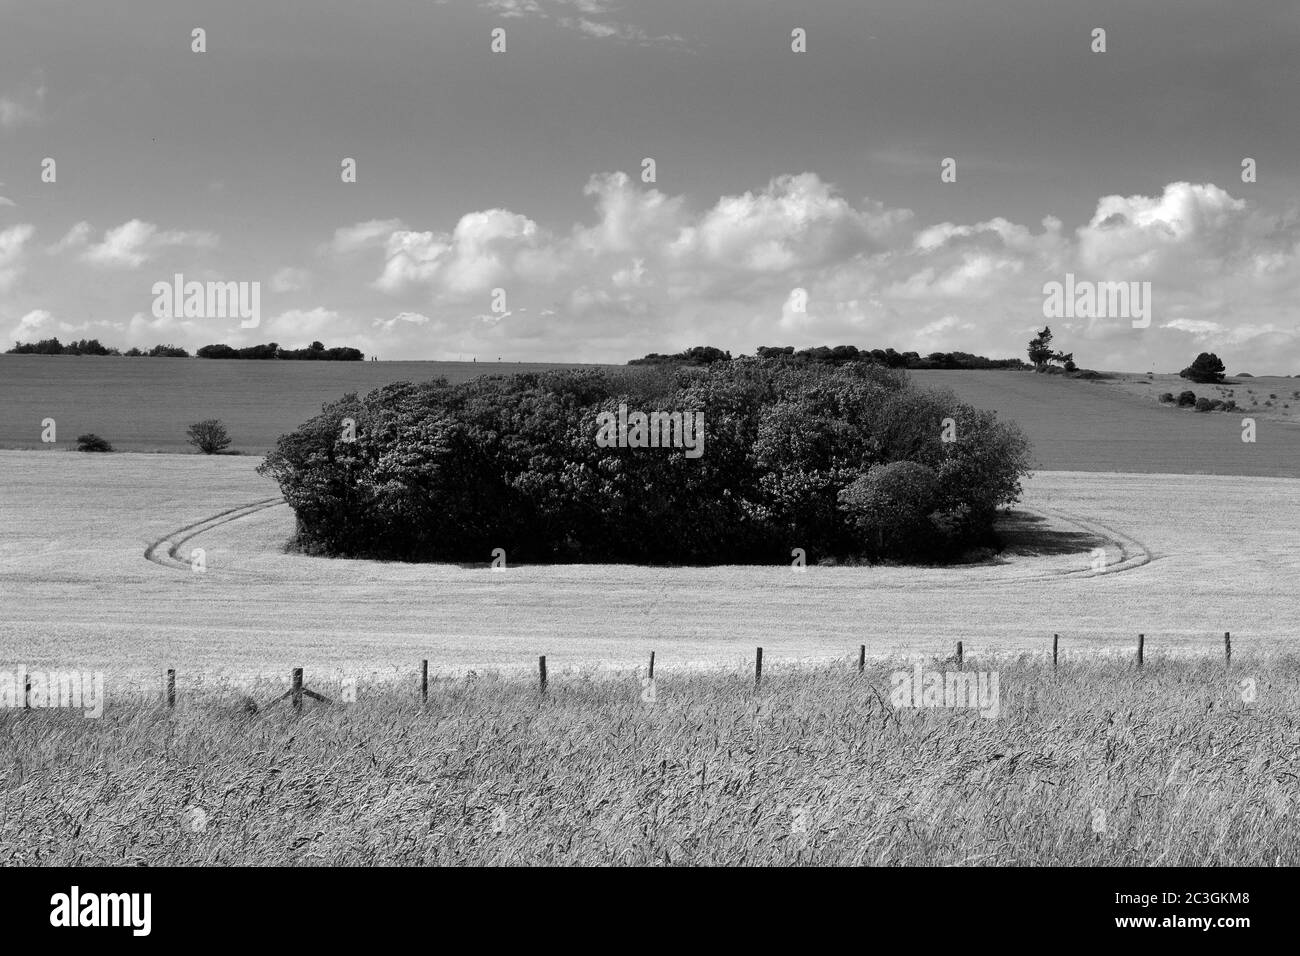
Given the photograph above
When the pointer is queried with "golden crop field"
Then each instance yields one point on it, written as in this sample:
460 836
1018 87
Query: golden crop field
1095 763
1184 761
1186 558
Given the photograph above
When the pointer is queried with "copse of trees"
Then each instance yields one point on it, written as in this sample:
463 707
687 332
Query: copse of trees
699 355
55 347
314 352
836 355
92 347
440 472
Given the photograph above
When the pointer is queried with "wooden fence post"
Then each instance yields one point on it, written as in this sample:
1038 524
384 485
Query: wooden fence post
27 692
424 682
1055 640
296 690
1142 639
652 665
1227 648
758 668
171 688
862 658
541 669
959 656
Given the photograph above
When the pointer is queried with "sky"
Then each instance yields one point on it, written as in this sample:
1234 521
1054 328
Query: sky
502 206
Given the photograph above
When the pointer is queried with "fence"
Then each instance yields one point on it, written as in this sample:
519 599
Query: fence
297 690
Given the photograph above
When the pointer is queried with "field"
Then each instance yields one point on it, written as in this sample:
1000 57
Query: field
1097 762
1187 557
1178 764
143 404
146 405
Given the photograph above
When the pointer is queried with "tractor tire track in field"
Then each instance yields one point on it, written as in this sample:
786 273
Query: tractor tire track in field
1132 553
164 550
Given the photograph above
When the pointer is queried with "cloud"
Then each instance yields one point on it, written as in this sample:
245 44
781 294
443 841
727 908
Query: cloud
12 242
649 272
134 243
30 326
40 323
74 238
558 11
400 320
299 323
24 106
363 235
290 279
483 250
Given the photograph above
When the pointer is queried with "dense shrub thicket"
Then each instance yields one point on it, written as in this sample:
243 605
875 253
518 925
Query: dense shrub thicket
844 462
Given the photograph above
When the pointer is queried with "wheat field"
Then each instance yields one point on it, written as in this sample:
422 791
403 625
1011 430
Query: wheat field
1180 763
1097 762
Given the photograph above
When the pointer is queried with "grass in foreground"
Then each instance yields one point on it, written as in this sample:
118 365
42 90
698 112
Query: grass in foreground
1098 763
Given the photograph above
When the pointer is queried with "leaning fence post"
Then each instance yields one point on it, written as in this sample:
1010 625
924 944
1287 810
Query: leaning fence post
541 670
1142 639
424 682
959 656
1227 648
758 667
862 658
652 665
297 689
171 688
1055 640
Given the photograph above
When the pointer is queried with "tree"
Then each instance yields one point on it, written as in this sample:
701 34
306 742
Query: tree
92 442
1206 370
1040 348
209 436
891 506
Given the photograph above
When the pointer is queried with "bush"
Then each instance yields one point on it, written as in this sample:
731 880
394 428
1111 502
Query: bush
1186 399
1229 406
1167 397
1203 404
1206 370
891 506
437 472
209 436
92 442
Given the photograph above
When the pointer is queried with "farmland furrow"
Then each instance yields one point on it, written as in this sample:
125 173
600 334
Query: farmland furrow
164 550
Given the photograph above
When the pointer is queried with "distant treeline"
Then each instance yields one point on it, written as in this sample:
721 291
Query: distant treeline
92 347
314 352
839 355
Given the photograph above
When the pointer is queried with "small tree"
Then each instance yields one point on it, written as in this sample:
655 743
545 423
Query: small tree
1206 370
1040 347
92 442
209 436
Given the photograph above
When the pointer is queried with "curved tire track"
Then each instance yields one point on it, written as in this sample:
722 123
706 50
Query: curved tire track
165 550
1133 553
